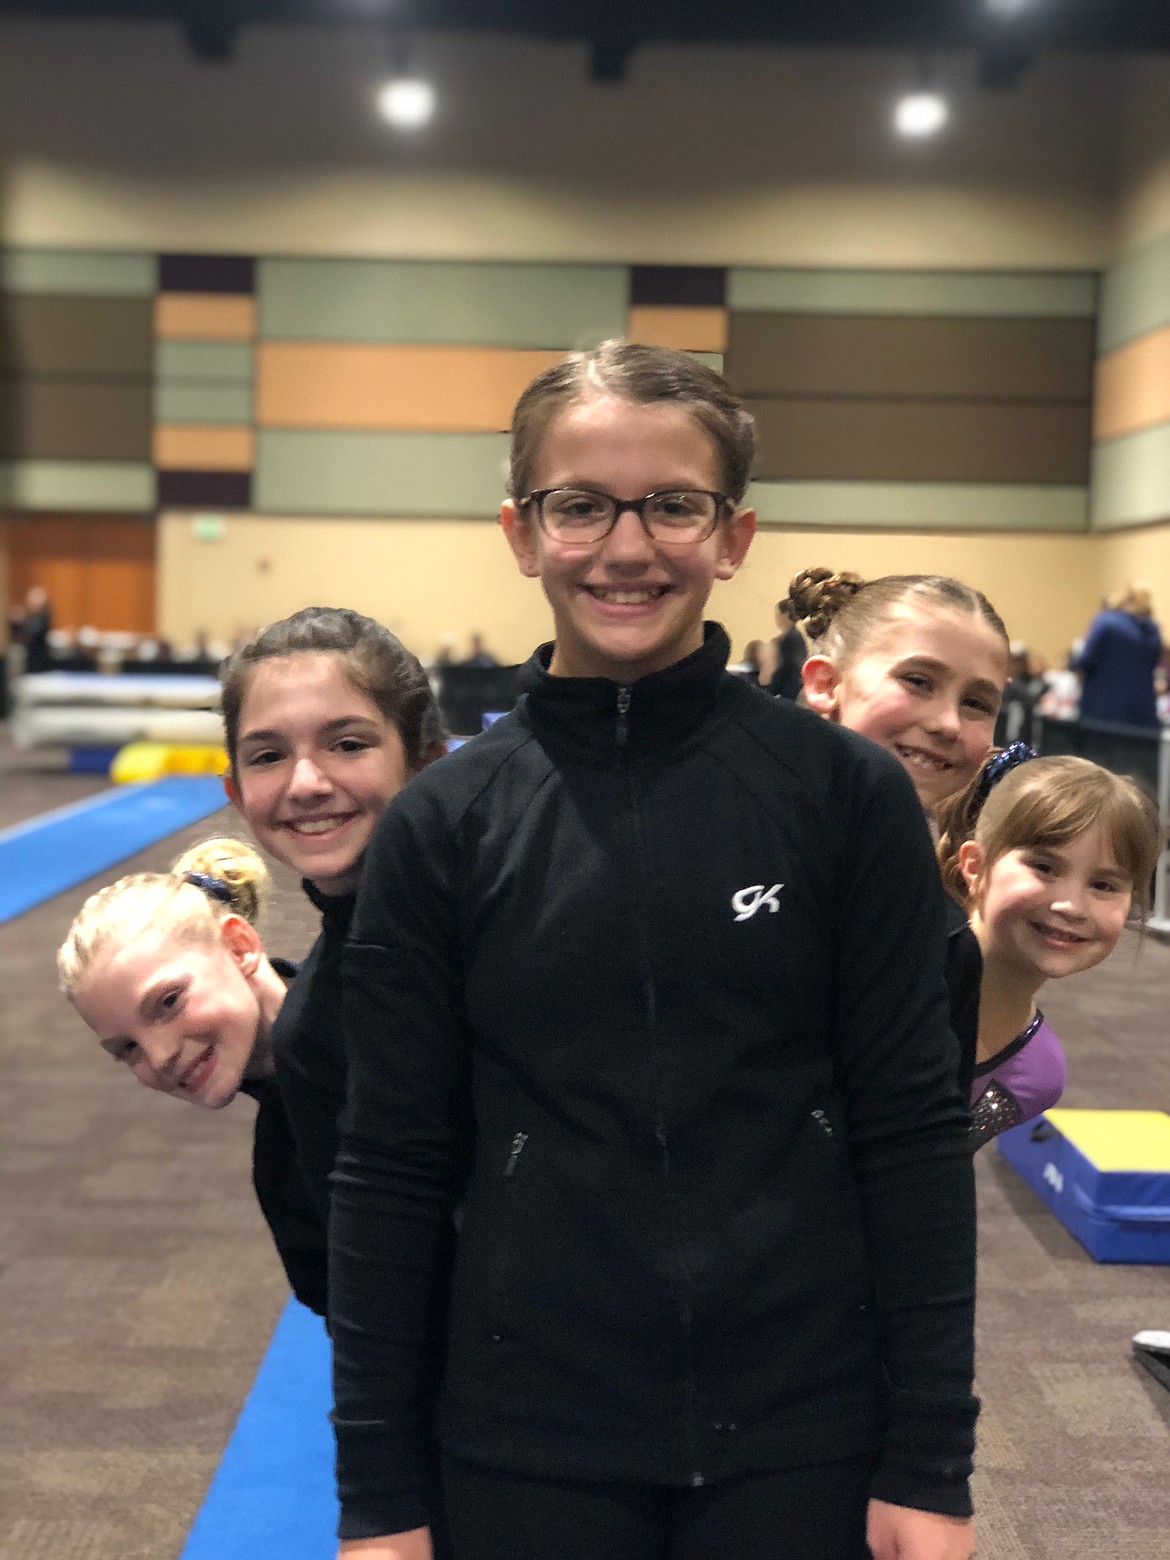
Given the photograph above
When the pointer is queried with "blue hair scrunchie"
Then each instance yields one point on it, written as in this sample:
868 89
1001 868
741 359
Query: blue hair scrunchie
215 886
1015 754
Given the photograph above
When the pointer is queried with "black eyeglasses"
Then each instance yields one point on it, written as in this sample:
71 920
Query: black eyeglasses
678 516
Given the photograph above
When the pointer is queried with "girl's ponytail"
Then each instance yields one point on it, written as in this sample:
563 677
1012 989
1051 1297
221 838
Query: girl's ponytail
816 596
229 871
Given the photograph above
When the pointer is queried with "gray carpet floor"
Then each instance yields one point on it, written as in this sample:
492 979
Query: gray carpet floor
138 1289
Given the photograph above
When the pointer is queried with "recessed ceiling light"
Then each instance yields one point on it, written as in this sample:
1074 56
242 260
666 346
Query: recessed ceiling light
920 114
407 102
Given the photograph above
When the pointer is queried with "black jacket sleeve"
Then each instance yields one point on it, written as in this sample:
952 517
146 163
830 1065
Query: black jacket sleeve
297 1225
406 1138
908 1134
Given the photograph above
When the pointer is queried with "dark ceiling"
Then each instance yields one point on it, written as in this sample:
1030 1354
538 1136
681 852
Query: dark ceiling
1006 31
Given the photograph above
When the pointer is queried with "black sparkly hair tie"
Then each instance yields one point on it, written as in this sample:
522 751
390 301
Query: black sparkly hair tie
1015 754
215 886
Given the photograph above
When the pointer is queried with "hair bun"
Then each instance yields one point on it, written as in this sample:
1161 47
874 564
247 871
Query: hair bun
231 862
815 596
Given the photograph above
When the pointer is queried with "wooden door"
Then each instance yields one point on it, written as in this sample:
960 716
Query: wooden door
99 570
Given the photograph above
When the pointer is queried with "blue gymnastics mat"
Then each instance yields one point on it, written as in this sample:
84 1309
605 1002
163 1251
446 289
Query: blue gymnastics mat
272 1497
57 850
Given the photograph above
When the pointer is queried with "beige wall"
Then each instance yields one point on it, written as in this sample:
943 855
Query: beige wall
1143 201
721 156
1140 555
427 579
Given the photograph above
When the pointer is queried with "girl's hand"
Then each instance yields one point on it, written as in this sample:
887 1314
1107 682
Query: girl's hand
902 1533
415 1545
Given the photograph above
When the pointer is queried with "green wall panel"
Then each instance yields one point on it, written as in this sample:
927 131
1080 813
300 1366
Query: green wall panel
224 362
935 506
489 305
912 292
327 472
196 403
76 484
78 272
1135 296
1131 479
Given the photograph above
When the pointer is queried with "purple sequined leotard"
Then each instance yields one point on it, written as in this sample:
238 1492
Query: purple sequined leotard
1025 1078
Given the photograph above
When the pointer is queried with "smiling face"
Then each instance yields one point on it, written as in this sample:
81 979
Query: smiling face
626 606
1048 911
183 1016
927 688
316 763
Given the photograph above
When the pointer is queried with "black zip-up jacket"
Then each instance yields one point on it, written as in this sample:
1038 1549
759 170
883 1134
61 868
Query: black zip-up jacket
308 1046
653 976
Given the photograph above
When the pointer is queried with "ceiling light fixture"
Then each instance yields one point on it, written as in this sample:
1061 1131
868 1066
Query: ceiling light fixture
407 101
920 113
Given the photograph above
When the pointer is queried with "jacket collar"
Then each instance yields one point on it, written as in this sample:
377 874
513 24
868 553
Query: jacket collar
336 909
651 715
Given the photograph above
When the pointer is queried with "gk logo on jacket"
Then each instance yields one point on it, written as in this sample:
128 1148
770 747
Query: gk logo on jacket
746 901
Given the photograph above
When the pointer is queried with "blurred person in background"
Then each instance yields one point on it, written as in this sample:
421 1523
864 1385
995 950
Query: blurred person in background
780 673
1121 650
30 625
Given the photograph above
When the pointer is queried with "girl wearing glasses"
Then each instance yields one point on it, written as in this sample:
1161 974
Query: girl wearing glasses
649 977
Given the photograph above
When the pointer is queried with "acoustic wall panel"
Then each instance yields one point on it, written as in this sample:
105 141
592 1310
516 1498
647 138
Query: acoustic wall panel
78 273
1131 479
108 338
905 355
206 274
194 316
55 419
221 362
334 385
1133 386
921 441
681 286
204 447
451 475
938 506
690 329
180 402
913 292
205 489
76 484
1135 296
551 306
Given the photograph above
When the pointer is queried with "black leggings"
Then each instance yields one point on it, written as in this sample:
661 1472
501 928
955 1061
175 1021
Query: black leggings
813 1513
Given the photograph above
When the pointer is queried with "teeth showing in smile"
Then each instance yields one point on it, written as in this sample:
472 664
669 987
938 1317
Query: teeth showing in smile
628 598
921 759
1058 934
317 825
199 1069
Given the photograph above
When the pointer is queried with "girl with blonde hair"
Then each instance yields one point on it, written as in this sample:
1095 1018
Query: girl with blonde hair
169 971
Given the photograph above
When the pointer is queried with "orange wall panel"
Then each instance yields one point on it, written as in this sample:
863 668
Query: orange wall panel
1133 386
204 447
204 317
328 385
690 329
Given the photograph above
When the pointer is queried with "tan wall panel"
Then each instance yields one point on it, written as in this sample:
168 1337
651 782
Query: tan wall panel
689 329
204 447
888 355
431 579
1133 387
99 570
204 317
325 385
1140 555
46 419
921 441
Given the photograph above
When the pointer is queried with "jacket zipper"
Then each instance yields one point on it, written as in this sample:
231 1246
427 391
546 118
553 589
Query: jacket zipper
651 999
514 1153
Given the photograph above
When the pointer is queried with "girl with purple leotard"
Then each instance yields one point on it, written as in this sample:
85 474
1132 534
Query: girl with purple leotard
1050 856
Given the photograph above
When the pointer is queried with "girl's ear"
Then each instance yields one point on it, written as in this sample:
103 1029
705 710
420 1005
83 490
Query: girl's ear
521 538
971 862
242 941
735 537
232 791
821 681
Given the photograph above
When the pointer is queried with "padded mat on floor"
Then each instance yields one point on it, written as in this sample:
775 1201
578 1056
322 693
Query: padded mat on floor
46 855
272 1496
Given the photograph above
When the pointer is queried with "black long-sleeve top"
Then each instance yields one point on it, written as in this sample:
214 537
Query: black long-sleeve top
652 977
308 1047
